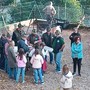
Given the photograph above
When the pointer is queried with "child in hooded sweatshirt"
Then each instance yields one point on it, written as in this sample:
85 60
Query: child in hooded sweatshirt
21 63
37 61
67 77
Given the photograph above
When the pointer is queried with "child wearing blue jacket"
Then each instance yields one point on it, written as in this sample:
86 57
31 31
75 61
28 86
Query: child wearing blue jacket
77 54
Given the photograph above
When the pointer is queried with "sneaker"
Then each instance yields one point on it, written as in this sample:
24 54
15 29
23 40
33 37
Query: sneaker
42 82
74 74
79 75
58 71
23 82
36 83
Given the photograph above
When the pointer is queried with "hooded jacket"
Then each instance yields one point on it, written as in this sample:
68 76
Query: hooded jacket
66 80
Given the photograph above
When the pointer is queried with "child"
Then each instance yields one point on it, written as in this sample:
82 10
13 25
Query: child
21 63
37 61
66 80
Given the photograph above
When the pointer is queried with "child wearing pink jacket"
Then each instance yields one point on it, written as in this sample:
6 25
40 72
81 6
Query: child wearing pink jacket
21 63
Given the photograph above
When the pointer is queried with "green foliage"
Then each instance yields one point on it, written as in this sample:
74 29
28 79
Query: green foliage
74 11
33 9
6 2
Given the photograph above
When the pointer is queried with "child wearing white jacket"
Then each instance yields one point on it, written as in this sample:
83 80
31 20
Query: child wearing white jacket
67 77
37 61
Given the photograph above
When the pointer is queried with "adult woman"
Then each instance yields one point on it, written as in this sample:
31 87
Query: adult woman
11 59
77 54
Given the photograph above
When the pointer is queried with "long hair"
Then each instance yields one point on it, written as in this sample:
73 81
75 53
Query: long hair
37 52
77 37
21 53
65 69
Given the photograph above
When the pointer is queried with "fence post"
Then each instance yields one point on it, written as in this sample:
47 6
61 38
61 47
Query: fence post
58 12
65 11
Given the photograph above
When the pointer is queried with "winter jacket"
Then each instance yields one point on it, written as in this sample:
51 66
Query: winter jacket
21 63
57 44
66 80
48 39
37 61
22 44
17 36
77 50
11 57
33 37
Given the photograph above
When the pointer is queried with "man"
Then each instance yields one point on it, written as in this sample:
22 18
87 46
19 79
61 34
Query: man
22 44
17 34
58 46
50 13
73 35
34 39
48 39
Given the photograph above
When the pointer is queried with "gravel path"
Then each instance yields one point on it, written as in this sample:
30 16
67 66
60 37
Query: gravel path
52 79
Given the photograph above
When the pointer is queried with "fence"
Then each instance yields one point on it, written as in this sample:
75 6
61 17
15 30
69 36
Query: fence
25 11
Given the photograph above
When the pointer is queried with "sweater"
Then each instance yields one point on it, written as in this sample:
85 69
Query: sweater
37 61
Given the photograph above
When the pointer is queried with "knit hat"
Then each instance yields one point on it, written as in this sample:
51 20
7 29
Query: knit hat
58 28
57 32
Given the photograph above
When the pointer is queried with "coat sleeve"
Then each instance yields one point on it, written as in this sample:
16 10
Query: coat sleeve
41 59
73 48
22 44
24 59
32 59
79 48
14 37
13 54
71 37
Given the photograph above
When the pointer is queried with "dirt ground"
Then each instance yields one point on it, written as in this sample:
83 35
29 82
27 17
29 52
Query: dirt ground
51 78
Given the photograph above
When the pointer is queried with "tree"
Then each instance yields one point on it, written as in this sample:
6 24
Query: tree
6 2
73 10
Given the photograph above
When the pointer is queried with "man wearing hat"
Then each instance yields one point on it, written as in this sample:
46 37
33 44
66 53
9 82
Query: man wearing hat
48 38
34 39
17 34
58 46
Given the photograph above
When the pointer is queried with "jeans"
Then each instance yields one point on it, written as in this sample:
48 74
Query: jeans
20 70
2 61
38 75
75 62
12 72
6 65
51 57
58 61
